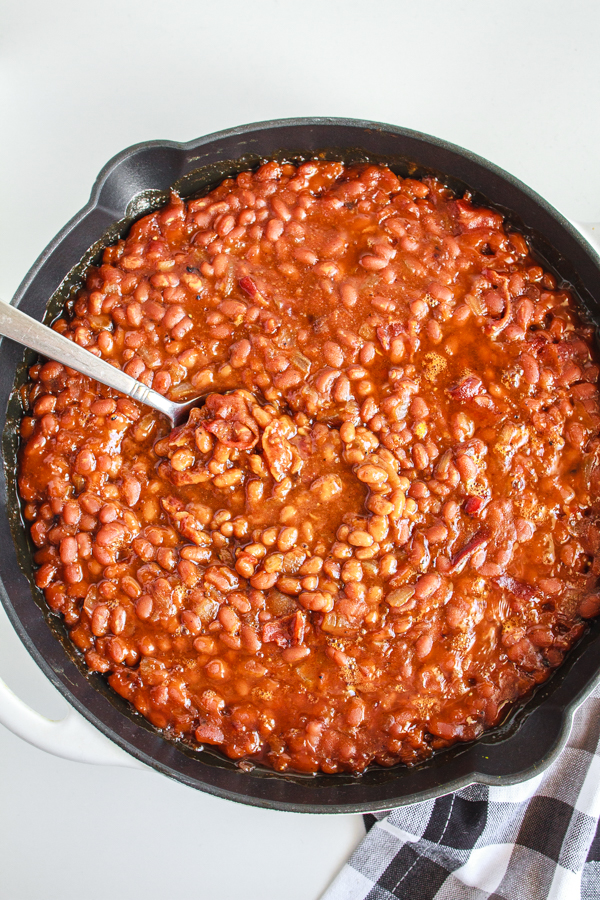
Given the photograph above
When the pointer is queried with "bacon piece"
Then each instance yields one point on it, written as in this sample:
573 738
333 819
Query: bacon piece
298 627
466 389
387 333
189 527
278 451
276 633
209 733
474 505
232 425
185 523
172 505
474 542
285 632
537 342
497 325
471 217
248 286
518 588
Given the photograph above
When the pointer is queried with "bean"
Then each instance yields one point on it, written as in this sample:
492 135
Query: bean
373 263
223 226
118 620
274 229
467 467
316 601
85 462
84 545
355 713
191 621
349 295
303 255
162 381
100 619
209 732
263 580
144 607
287 538
520 651
575 434
172 316
383 304
524 313
360 539
551 586
333 354
339 657
531 369
341 391
117 650
590 606
420 456
461 426
419 409
370 474
245 565
434 331
96 662
312 566
541 637
250 640
397 350
50 371
216 669
205 644
109 534
69 550
188 572
240 352
108 513
45 575
43 405
293 655
351 571
348 432
378 527
73 573
423 646
437 533
427 585
49 424
525 529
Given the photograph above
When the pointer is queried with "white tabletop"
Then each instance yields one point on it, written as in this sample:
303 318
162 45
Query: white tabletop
516 82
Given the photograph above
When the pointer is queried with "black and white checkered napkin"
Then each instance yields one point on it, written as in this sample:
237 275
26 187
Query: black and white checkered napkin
538 840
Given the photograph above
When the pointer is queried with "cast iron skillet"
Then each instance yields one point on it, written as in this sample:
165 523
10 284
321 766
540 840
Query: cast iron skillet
136 182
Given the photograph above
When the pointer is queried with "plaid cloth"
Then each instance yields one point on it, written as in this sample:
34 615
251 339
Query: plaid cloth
538 840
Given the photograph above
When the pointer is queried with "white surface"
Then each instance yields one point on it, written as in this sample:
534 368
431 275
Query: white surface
516 82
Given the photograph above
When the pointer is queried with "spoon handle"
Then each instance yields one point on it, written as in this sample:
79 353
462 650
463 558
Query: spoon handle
23 329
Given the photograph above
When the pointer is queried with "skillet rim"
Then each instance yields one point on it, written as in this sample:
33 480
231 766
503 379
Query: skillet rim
109 199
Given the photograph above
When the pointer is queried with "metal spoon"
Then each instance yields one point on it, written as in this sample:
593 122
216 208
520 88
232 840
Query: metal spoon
23 329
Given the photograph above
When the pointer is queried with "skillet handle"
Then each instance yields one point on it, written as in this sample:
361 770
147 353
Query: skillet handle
71 738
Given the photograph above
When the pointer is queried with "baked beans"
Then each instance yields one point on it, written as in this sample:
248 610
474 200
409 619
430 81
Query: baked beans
378 531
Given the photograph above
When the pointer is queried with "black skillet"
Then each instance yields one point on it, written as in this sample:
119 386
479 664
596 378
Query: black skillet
136 182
